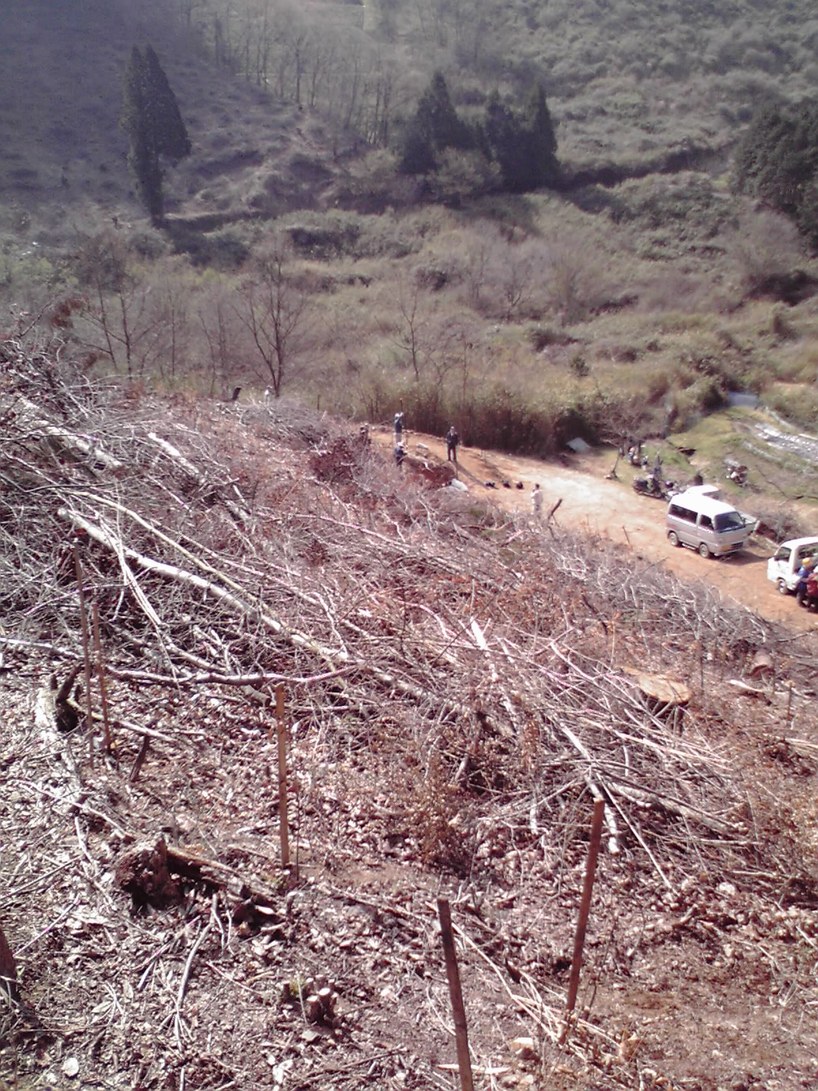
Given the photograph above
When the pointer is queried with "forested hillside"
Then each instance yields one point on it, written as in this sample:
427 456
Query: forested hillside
527 304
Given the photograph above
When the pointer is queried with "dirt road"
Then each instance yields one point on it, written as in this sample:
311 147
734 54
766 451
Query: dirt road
592 502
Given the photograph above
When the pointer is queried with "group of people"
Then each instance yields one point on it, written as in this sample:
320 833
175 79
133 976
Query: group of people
452 443
452 440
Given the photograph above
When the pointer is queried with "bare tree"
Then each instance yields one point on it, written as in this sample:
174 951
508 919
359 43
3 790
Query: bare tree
120 318
763 245
575 280
411 336
217 320
274 309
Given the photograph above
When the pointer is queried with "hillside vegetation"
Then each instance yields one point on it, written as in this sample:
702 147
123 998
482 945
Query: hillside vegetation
293 254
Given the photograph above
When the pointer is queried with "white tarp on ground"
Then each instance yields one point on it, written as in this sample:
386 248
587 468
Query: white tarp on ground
578 445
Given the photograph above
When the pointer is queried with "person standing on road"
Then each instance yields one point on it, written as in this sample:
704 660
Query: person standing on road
536 501
399 427
452 440
804 573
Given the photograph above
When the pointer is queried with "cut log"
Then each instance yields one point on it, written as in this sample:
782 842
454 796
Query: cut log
746 690
89 455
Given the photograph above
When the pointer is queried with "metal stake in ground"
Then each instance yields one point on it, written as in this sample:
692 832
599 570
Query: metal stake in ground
584 910
103 688
458 1010
281 731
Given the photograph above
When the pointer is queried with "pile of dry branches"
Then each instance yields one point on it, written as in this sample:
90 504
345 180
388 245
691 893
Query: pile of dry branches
471 687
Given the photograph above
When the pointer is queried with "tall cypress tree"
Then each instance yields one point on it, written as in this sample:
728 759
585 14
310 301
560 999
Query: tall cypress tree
507 140
169 128
522 142
543 141
435 126
143 157
151 118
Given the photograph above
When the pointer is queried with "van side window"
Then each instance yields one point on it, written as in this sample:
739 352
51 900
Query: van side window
783 554
682 513
706 522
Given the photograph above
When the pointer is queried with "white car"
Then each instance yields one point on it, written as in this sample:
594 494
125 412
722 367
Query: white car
782 568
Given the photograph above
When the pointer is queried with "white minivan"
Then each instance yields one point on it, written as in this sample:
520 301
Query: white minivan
782 567
697 519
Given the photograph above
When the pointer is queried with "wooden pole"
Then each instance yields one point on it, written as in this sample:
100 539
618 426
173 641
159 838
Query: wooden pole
281 731
103 689
584 907
8 970
456 996
86 657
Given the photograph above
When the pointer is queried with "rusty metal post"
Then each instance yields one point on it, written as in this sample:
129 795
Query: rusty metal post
281 731
456 996
584 909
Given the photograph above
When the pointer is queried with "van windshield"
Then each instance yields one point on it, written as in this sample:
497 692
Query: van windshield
729 520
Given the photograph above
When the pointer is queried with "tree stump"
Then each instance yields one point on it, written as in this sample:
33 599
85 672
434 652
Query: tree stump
663 697
143 873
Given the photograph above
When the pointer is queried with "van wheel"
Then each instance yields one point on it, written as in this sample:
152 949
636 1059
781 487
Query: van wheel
703 550
782 587
673 538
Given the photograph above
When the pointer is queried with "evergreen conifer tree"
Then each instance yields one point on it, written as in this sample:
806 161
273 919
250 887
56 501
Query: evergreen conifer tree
416 154
507 140
777 160
523 143
543 140
438 117
169 128
435 126
153 123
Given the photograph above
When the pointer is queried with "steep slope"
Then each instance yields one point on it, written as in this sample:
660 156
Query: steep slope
458 691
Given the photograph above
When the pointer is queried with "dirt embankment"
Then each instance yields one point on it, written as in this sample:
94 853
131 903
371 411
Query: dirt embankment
590 501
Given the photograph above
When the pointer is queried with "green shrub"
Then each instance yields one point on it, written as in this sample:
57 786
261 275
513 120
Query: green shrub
224 250
540 337
579 365
799 405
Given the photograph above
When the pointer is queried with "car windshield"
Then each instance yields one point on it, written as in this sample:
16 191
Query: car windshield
729 520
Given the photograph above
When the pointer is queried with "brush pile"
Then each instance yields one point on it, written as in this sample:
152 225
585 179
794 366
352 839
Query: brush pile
180 580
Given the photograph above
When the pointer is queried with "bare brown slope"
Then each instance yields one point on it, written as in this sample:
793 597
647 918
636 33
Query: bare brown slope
457 689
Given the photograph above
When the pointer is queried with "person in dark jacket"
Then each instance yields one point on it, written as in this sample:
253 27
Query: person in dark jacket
452 440
804 573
